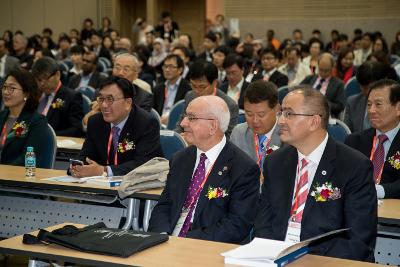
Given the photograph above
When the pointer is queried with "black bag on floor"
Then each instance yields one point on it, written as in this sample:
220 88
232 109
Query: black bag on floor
98 239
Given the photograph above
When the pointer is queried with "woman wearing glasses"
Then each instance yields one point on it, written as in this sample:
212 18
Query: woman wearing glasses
21 126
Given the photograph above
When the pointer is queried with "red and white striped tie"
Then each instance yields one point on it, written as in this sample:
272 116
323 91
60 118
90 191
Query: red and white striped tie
302 193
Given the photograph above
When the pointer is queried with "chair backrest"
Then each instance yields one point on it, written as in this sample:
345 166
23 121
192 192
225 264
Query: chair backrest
87 91
242 117
155 114
175 114
282 92
50 149
352 87
64 69
86 104
338 130
171 142
106 61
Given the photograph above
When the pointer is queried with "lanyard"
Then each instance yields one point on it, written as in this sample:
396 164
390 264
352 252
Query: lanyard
51 98
378 179
3 134
262 154
215 90
200 188
108 151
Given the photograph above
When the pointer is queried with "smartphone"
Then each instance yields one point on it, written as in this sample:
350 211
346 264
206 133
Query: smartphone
75 162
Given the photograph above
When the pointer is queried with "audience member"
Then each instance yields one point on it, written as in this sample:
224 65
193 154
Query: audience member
141 27
311 61
219 56
77 52
168 30
173 89
271 40
209 44
329 86
105 27
61 105
298 36
87 31
235 86
269 62
158 54
64 46
293 205
120 138
380 44
360 55
294 69
203 80
395 48
345 69
184 54
20 44
7 62
188 205
259 135
381 143
89 76
21 125
96 41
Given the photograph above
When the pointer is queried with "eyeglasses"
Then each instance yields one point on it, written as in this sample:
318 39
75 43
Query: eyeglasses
108 99
288 114
124 69
192 118
166 67
9 88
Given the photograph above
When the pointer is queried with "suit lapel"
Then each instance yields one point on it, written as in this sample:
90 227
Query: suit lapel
51 111
289 178
218 173
323 174
366 142
24 116
394 146
125 132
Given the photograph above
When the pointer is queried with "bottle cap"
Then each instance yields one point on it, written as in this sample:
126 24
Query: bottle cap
29 149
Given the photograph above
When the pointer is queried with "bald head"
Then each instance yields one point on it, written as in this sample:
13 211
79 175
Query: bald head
325 65
125 43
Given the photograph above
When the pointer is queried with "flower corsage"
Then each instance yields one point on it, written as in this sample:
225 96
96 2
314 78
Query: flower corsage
59 103
125 146
325 192
20 128
216 192
395 160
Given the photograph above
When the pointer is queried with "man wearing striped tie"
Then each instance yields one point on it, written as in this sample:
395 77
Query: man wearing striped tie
316 185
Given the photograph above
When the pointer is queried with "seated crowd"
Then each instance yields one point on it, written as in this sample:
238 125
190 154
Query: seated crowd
278 174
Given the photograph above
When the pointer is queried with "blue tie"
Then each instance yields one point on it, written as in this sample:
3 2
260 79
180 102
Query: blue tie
261 141
115 137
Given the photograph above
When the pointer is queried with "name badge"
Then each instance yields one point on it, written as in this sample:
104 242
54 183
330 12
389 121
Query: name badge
180 222
293 232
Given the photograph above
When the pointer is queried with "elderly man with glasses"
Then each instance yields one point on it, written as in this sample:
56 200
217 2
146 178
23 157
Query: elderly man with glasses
212 186
315 185
120 138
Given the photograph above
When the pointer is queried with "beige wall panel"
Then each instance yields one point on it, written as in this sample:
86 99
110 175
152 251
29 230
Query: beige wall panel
5 15
27 15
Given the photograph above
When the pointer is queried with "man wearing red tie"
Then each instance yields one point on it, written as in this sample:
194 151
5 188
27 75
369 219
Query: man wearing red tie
381 143
315 185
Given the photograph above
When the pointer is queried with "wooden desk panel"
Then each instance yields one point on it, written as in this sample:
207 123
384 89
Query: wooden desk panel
175 252
389 209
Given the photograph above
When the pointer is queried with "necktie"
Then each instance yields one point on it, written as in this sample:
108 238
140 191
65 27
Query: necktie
261 149
193 193
43 104
115 137
319 85
379 157
301 192
266 78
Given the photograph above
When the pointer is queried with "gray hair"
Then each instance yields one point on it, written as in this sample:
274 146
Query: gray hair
218 109
128 55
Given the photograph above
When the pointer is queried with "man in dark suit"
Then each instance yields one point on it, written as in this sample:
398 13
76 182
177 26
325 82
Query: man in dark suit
316 185
236 84
120 138
355 113
89 76
203 80
173 89
218 202
331 87
269 61
61 105
209 43
7 62
381 143
126 66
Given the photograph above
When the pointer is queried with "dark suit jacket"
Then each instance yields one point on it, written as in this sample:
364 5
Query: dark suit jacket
390 180
13 152
159 94
278 78
224 88
140 128
334 93
143 99
227 219
67 120
94 81
346 169
354 113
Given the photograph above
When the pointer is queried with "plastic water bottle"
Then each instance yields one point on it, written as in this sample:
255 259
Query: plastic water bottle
30 163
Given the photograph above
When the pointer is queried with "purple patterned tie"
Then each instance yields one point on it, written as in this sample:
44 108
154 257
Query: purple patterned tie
115 137
379 157
193 193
